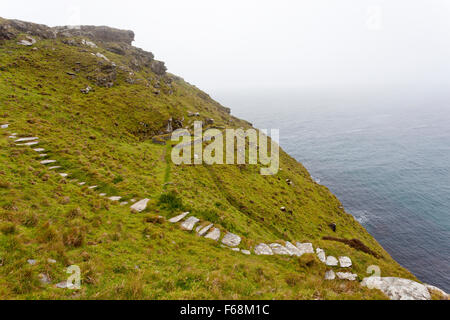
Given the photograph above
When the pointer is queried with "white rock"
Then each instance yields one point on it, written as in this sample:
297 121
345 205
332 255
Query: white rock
115 198
346 276
102 194
345 262
279 249
140 206
28 144
93 187
213 235
47 161
329 275
263 249
101 56
44 279
433 288
132 200
305 247
398 288
82 183
88 43
321 255
27 139
178 218
202 231
39 150
64 175
246 252
43 155
54 167
190 223
124 203
51 260
231 240
294 251
331 261
31 262
235 249
65 285
4 126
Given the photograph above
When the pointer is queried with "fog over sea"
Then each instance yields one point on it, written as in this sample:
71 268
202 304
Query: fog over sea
386 155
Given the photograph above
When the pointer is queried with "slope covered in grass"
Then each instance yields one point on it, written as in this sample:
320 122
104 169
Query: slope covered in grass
104 138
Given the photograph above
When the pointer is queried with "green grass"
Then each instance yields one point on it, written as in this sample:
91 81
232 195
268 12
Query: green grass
104 139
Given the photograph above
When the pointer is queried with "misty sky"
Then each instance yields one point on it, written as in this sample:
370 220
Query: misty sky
226 45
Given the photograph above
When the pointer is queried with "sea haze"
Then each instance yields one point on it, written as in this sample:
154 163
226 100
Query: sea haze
385 156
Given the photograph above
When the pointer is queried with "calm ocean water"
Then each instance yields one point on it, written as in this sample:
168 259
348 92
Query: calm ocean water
386 158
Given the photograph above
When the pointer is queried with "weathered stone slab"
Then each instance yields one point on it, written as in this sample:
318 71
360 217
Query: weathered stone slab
93 187
398 288
294 251
39 149
345 262
102 194
321 255
202 231
246 252
178 218
64 285
31 262
231 240
213 235
331 261
4 126
115 198
26 139
346 276
305 247
28 144
140 205
330 275
54 167
82 183
43 155
64 175
279 249
47 161
263 249
190 223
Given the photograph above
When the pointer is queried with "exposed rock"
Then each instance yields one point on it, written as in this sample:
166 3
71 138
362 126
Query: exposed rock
293 250
246 252
330 275
81 183
346 276
331 261
101 56
4 126
189 223
345 262
102 194
47 161
305 247
102 34
115 198
279 249
158 67
283 209
31 262
88 43
321 255
27 139
178 218
213 235
263 249
140 206
436 289
231 240
86 90
397 288
39 149
64 285
93 187
54 167
64 175
28 144
28 42
44 279
332 226
202 231
51 261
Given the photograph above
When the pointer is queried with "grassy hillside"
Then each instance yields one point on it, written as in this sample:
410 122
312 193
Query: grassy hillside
104 138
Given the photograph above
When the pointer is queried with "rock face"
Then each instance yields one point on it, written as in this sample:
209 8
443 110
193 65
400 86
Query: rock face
279 249
231 240
190 223
140 206
345 262
397 288
103 34
263 249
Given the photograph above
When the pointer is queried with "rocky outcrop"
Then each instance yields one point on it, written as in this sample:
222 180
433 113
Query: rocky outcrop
158 67
103 34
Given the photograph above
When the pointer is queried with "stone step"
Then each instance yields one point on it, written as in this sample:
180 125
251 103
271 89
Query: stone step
44 162
330 275
189 224
294 251
305 247
140 206
321 255
214 234
178 218
346 276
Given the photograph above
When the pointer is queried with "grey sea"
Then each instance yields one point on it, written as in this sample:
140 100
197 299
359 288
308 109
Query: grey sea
386 155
